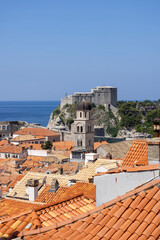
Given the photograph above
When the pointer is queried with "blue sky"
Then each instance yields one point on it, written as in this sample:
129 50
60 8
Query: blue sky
53 47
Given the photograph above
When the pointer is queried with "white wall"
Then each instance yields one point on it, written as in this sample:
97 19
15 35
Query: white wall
110 186
40 153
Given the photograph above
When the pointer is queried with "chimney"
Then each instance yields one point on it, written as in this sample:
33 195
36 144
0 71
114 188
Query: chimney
32 185
154 151
54 185
60 170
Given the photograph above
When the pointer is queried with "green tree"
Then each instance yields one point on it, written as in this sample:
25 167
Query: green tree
69 122
130 116
47 145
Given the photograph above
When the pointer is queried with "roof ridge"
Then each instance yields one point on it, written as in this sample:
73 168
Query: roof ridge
94 210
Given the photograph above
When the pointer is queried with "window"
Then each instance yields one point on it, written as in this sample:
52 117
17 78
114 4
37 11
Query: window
89 142
80 114
88 128
85 114
79 143
78 129
4 127
81 129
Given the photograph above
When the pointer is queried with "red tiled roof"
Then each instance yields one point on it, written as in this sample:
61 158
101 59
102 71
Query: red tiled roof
87 189
97 144
131 169
137 154
36 132
135 215
10 207
64 145
45 216
3 142
48 197
34 146
13 183
10 149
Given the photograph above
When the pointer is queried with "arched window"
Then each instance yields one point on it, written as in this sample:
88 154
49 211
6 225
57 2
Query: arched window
81 129
80 114
85 114
78 129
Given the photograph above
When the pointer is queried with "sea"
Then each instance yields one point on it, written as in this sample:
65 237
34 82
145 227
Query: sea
29 111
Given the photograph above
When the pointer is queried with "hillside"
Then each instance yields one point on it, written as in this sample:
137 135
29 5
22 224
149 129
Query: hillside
132 118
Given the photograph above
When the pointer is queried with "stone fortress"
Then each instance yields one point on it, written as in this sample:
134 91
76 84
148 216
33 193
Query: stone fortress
106 96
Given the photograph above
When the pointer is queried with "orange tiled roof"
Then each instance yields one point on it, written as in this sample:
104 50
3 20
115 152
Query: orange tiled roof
10 207
47 197
13 183
137 154
34 146
45 216
97 144
131 169
135 215
11 149
3 142
28 137
87 189
64 145
36 132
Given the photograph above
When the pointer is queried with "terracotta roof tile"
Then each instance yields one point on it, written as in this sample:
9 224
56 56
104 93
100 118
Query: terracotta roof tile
10 149
117 219
36 132
137 154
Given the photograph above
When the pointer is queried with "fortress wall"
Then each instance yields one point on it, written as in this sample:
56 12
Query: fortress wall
106 96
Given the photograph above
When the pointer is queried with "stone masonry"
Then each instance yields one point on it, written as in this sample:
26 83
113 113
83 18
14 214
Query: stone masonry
106 96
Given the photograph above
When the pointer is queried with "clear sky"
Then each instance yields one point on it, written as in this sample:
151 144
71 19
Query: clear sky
52 47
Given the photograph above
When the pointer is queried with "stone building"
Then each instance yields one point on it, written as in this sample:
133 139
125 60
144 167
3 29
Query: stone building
106 96
83 130
7 128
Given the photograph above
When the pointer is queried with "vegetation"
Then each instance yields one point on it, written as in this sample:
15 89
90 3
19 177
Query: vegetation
56 112
47 145
131 115
139 115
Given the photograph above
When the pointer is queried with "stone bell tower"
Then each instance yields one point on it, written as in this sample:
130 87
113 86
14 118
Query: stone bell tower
83 129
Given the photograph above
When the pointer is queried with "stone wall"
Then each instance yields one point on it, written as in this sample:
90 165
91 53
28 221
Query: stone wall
106 96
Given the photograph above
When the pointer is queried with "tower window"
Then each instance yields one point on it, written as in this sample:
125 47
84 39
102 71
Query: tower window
81 129
85 114
78 129
80 114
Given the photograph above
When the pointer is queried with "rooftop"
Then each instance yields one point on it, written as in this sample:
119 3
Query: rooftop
10 149
27 137
45 216
134 215
117 150
137 154
36 132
